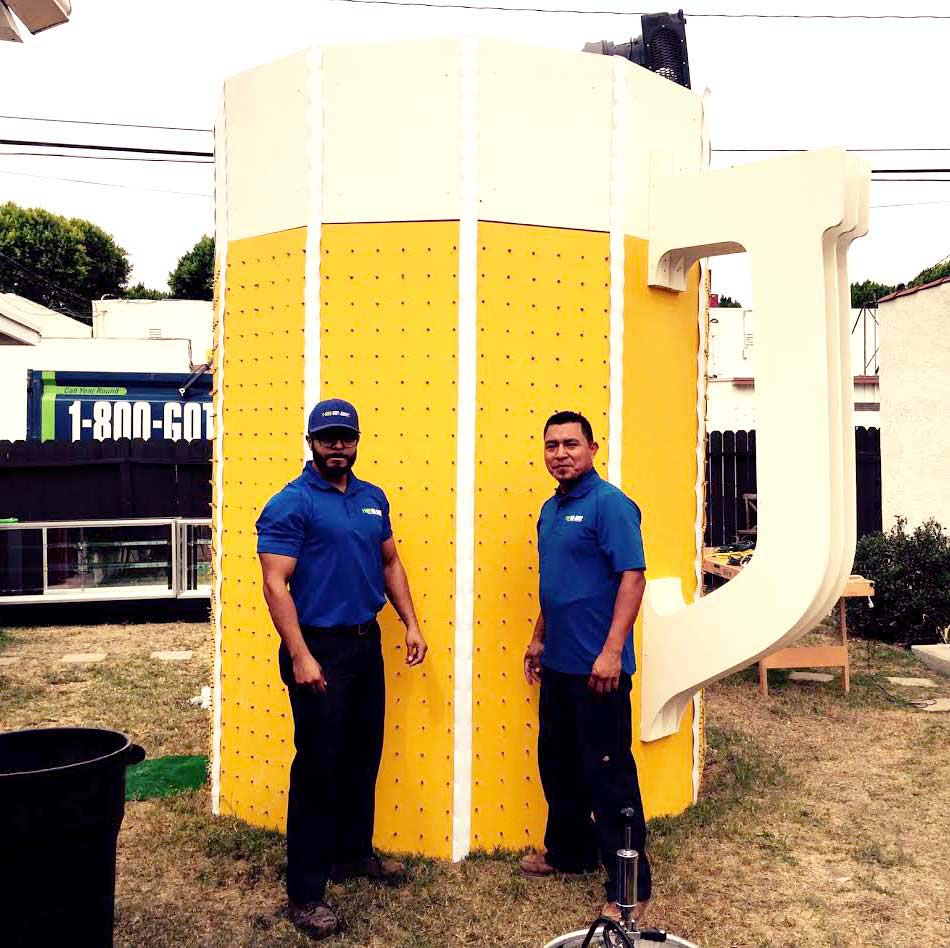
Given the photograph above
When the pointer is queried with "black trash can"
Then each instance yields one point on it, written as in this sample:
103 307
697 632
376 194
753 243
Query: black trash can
62 799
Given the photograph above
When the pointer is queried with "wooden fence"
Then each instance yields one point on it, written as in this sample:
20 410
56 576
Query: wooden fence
730 474
104 480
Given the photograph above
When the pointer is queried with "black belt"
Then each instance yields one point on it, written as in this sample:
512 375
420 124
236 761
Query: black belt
363 628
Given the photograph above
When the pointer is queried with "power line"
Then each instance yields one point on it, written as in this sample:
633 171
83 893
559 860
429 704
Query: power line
105 184
210 154
763 151
54 286
181 128
40 276
142 151
148 161
937 264
178 128
133 187
164 128
628 13
820 16
908 204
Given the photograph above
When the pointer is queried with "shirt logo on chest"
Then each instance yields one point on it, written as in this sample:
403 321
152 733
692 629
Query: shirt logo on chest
574 518
372 511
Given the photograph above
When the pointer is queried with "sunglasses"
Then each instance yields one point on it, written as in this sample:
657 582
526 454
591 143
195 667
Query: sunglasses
328 440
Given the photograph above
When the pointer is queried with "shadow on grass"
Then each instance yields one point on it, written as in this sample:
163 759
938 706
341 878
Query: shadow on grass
51 615
480 901
229 837
737 773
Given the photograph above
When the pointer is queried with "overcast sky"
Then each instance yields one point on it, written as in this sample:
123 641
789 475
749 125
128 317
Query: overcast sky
775 84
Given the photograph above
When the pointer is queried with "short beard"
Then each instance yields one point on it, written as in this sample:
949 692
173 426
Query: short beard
332 473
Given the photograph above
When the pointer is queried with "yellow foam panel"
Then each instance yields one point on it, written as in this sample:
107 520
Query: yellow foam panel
262 450
389 341
543 335
543 346
661 340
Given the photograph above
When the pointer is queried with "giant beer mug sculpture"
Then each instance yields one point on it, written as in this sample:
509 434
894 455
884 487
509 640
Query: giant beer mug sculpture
462 238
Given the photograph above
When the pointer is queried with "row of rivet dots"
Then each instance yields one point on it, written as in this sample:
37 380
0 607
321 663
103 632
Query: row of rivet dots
389 328
543 346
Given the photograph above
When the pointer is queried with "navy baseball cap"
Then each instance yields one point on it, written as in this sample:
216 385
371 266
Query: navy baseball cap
333 413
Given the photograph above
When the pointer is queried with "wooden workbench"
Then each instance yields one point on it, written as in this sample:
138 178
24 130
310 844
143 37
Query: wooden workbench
817 656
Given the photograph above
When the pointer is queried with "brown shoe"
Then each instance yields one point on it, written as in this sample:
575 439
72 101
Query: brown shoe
612 911
374 868
315 919
536 866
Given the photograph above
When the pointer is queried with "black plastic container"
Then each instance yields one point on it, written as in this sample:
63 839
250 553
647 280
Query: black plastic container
62 799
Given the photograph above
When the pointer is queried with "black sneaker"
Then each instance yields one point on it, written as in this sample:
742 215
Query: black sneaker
315 919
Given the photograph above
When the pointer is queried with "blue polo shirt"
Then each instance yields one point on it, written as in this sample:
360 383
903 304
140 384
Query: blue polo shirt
586 539
335 537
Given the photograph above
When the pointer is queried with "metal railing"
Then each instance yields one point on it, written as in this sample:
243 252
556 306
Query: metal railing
102 560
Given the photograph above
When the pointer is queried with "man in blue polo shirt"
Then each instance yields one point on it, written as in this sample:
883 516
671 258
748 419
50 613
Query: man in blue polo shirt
329 561
591 586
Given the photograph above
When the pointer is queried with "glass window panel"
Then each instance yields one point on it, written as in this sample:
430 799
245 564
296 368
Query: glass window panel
64 560
21 562
139 556
197 555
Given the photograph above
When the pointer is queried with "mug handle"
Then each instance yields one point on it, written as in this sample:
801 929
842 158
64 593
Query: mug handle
134 754
795 217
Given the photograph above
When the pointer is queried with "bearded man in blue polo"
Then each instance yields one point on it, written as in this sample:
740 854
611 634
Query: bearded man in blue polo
329 561
591 585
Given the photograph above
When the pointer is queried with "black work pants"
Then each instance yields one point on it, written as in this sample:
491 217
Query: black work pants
338 736
589 776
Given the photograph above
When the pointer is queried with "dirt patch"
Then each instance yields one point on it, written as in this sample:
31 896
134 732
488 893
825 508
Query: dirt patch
823 818
129 691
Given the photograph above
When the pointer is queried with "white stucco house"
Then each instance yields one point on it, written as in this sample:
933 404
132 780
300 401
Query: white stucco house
915 403
171 336
731 370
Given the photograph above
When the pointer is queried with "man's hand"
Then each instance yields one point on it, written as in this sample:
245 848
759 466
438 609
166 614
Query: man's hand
605 675
308 673
416 647
532 660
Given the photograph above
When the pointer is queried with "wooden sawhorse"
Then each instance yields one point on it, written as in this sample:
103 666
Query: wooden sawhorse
807 656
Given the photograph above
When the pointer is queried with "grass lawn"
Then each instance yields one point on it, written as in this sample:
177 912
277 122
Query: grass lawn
824 819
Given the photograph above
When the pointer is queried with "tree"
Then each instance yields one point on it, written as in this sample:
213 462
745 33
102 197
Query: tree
727 302
57 262
141 292
193 277
41 257
109 267
868 293
935 272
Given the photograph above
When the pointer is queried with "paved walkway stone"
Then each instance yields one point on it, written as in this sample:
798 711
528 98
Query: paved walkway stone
180 656
937 657
911 682
941 704
83 658
810 676
9 660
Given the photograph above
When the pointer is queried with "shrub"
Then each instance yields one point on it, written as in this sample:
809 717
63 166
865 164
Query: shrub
911 573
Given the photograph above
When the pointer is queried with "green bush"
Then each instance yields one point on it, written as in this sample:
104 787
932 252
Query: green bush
911 573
